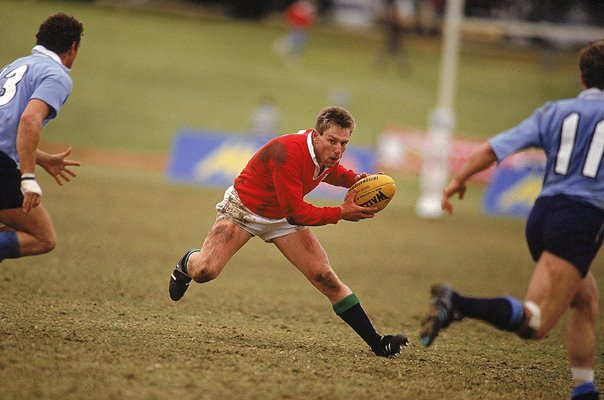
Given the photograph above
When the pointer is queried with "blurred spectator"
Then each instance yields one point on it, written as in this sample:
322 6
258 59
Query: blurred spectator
587 12
398 18
430 14
299 16
266 117
324 7
249 9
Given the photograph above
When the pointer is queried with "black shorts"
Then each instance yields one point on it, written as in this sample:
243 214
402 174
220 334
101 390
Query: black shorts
10 184
567 228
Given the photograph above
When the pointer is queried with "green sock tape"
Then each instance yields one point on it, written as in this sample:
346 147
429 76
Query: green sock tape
346 303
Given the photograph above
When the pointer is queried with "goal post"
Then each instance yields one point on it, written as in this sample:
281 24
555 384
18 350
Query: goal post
441 122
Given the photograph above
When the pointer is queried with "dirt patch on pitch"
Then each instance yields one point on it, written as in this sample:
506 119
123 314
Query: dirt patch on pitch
113 158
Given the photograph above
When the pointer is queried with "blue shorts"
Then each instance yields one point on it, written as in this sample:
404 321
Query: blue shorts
10 184
567 228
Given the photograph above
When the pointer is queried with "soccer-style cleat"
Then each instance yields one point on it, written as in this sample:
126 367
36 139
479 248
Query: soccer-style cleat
179 280
391 345
440 314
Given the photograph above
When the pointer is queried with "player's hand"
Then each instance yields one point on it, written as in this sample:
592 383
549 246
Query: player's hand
365 175
32 192
454 186
360 176
57 166
30 201
352 212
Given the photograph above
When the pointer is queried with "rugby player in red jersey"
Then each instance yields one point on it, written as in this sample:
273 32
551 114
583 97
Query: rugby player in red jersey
267 200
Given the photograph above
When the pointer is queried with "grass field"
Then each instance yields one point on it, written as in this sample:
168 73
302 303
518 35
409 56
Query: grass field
93 318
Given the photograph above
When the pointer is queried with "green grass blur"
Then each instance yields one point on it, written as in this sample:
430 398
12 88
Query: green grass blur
140 76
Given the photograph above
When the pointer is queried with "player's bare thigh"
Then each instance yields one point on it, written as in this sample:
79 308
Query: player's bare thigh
37 222
552 287
224 239
305 252
34 229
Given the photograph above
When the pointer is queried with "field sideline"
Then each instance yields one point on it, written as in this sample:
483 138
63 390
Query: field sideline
93 318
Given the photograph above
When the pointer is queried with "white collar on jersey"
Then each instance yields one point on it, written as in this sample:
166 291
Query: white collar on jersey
312 153
592 93
39 49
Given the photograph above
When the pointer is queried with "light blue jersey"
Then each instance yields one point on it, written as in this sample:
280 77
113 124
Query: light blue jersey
571 132
38 76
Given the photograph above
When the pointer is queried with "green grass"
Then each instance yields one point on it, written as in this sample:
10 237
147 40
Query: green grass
140 76
93 319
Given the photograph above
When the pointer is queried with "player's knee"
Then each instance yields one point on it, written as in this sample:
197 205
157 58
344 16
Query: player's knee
586 301
591 308
202 275
202 272
47 244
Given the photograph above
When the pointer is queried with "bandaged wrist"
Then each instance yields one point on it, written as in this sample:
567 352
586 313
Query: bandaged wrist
29 184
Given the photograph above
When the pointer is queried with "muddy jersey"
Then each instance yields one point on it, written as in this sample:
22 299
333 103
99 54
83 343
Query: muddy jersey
276 179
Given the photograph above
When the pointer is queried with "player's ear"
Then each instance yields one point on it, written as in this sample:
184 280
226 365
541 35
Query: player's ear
582 80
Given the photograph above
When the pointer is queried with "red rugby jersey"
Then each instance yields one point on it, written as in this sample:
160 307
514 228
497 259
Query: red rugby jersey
276 179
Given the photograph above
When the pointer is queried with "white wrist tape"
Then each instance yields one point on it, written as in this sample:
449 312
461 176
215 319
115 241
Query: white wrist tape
29 184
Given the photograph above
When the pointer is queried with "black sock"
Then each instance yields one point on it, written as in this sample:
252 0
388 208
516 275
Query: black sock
350 310
505 313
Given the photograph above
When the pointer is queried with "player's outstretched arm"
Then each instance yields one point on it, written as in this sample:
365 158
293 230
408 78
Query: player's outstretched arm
28 137
352 212
480 160
57 165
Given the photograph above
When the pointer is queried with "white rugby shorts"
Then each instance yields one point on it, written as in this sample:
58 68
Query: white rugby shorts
231 208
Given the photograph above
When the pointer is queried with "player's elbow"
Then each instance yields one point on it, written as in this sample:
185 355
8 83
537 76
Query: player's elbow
29 119
49 245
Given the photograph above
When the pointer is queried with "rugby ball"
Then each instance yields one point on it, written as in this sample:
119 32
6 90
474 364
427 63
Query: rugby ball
374 191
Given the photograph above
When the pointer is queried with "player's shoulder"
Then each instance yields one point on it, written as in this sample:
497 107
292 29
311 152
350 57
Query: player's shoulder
8 68
585 97
296 139
299 136
555 107
40 67
294 144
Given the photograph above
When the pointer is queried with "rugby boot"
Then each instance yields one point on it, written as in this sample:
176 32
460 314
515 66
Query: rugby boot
440 314
391 345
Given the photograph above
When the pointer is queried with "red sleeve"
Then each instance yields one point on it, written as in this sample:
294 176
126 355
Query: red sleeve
341 176
287 178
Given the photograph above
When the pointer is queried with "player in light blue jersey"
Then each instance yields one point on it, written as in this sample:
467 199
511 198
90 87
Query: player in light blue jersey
32 91
564 229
